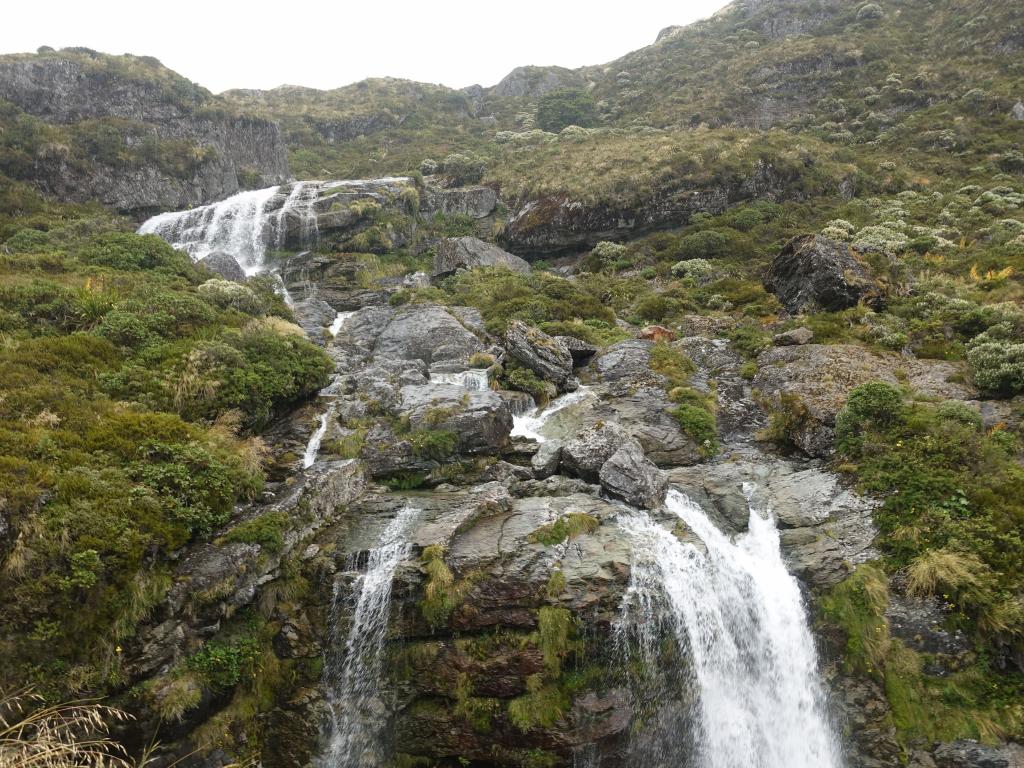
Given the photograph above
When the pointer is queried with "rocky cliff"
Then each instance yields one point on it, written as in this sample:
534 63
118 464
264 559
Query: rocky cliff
133 135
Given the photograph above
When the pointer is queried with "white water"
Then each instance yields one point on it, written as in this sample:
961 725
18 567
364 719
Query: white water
531 423
739 613
299 203
475 379
237 226
339 321
313 446
353 671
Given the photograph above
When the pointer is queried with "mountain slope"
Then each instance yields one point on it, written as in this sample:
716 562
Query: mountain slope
128 132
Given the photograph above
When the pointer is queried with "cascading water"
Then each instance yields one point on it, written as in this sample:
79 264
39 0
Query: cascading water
313 446
238 226
339 321
354 664
475 379
299 204
529 424
738 612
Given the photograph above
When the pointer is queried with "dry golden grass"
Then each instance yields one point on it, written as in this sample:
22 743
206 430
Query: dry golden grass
34 734
943 568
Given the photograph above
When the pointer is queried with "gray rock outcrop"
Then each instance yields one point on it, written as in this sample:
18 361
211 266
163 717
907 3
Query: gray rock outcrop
454 253
544 355
223 264
632 477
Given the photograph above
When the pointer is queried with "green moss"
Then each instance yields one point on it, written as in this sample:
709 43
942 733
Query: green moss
542 706
267 530
672 364
857 605
567 527
436 444
440 594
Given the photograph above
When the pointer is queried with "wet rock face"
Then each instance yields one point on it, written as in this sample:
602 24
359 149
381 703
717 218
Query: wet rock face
813 273
455 253
969 754
825 528
477 202
426 332
481 419
558 224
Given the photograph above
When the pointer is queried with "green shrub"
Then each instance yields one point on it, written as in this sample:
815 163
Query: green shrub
525 380
464 167
27 241
128 251
221 664
708 244
872 405
699 424
568 106
997 364
267 530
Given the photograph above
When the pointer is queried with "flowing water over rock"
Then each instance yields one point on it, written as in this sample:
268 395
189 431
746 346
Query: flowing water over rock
475 379
313 446
738 612
531 423
339 321
354 664
238 226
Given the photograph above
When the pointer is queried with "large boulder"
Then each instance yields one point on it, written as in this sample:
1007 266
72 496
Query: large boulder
586 453
544 355
454 253
632 477
480 418
1018 111
223 264
814 273
425 332
581 351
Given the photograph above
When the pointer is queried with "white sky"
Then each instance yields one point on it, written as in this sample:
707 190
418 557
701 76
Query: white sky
225 44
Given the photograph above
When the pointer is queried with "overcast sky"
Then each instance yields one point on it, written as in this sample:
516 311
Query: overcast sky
223 44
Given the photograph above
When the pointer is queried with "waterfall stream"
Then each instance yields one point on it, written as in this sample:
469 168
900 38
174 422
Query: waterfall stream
237 226
738 612
531 423
475 379
353 668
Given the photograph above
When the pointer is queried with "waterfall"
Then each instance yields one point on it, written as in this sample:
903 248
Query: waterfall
738 612
354 666
299 203
529 424
475 379
339 321
313 446
238 226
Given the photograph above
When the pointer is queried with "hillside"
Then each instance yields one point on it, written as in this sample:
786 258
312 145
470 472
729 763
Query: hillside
128 132
666 412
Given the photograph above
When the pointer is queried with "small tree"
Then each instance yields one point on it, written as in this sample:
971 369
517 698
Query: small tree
569 106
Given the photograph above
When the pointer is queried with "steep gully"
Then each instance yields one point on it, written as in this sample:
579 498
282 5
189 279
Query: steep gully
752 679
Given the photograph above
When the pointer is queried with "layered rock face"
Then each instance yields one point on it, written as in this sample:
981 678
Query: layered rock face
150 112
557 224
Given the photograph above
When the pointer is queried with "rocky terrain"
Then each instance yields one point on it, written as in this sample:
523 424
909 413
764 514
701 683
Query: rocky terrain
360 471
